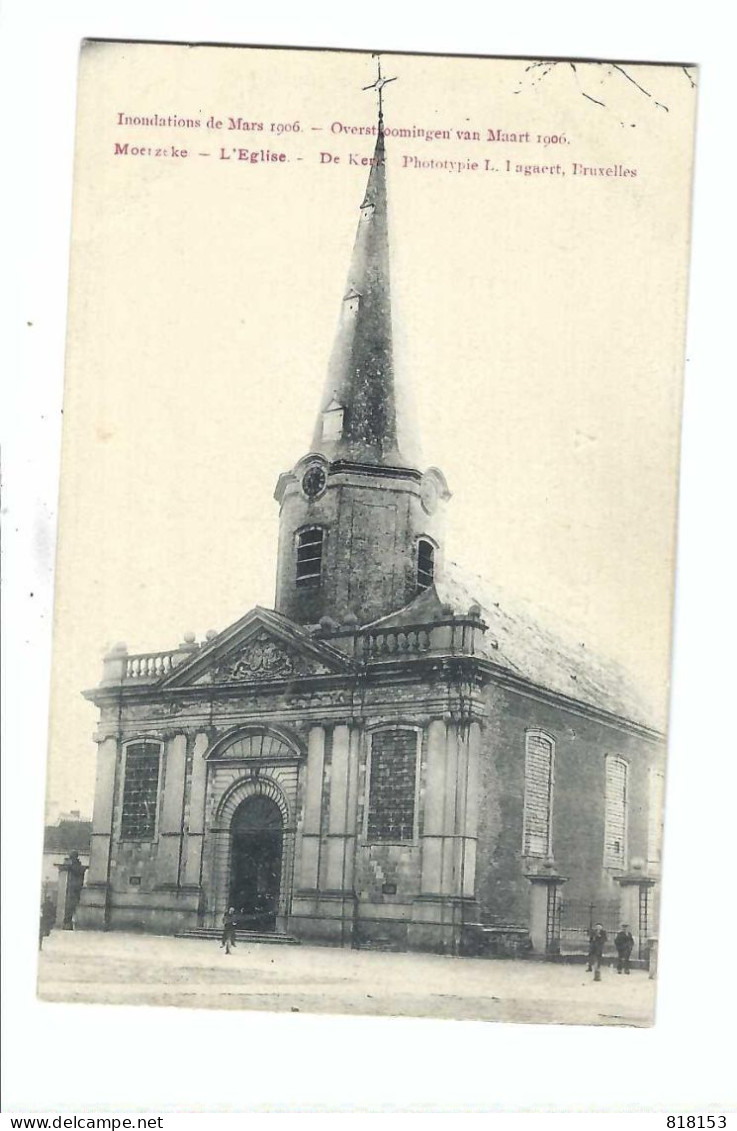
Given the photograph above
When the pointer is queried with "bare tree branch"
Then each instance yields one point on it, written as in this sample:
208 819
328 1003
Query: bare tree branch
629 78
535 72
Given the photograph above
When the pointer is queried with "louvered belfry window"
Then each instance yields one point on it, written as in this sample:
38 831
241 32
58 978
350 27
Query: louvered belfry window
538 807
140 791
309 556
425 564
392 786
615 812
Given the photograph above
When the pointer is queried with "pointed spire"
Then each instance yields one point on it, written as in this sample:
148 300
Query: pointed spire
361 419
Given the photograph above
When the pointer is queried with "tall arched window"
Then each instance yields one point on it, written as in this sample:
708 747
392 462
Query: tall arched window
425 564
537 834
615 811
309 555
140 790
656 790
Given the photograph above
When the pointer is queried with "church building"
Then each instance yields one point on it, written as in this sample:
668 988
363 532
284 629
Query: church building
392 756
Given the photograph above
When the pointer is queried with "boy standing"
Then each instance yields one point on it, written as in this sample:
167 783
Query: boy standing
597 941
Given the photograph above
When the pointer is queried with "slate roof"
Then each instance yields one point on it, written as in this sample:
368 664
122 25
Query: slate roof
68 836
519 640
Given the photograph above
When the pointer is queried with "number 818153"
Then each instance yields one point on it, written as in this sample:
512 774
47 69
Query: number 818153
696 1121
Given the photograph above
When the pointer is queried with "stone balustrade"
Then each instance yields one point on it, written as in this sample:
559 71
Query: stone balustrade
388 642
454 636
144 667
449 636
151 665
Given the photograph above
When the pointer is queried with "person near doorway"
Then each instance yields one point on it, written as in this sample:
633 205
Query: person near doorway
624 942
230 922
597 942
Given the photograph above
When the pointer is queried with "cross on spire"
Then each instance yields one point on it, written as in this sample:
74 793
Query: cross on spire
378 85
375 426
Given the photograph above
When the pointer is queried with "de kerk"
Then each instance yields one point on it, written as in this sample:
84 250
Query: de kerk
391 757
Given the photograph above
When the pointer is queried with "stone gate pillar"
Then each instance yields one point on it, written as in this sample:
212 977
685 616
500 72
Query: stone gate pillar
545 910
71 878
635 906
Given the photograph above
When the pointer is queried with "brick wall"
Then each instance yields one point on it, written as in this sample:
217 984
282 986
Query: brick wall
581 744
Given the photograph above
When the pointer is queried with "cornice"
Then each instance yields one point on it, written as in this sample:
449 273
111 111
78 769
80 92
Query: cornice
404 670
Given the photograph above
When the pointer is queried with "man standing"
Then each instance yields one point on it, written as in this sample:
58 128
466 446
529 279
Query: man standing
624 943
597 941
230 922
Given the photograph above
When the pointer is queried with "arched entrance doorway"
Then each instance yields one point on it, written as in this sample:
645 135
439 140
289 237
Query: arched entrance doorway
256 835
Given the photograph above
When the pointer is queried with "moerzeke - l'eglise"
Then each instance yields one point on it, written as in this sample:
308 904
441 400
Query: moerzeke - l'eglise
389 757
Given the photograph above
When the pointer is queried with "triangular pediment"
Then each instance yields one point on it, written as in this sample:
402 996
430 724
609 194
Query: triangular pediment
260 648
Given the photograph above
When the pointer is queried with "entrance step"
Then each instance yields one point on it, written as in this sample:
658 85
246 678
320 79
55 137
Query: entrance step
241 936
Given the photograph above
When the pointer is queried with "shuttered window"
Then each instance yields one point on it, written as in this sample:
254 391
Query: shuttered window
309 556
538 810
140 791
615 812
392 786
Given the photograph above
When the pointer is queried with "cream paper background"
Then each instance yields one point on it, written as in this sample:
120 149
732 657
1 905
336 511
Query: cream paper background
539 324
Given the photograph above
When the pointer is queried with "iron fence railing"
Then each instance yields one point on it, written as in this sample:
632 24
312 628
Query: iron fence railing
577 918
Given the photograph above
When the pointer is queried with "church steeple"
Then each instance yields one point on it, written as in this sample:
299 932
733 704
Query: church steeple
362 418
360 530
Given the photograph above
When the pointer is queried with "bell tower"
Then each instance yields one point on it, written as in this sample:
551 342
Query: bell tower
360 531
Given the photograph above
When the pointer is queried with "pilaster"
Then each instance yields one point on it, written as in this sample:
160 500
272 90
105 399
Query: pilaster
93 909
309 840
196 823
449 831
342 813
172 813
470 812
324 906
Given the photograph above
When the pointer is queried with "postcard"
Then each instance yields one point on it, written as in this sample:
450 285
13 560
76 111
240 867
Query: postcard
367 521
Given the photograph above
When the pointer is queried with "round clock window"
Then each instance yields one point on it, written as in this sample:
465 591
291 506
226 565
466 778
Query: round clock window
313 481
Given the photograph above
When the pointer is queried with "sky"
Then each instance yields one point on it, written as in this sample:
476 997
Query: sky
539 321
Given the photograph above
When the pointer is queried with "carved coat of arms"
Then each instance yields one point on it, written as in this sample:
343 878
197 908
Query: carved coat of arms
260 659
